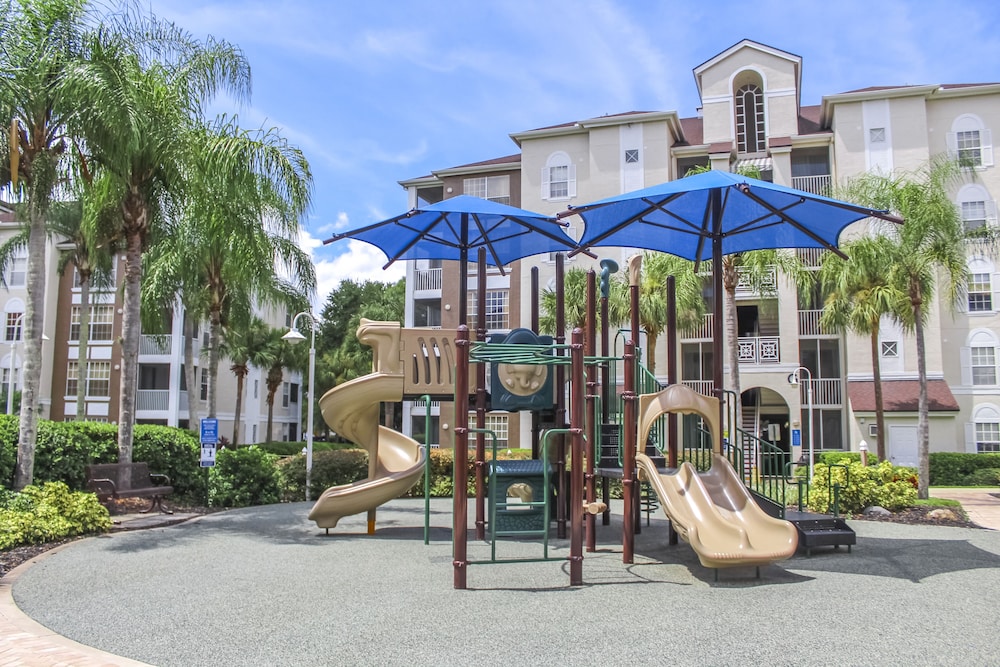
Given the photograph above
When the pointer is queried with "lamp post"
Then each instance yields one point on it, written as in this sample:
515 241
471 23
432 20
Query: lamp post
794 379
294 336
18 322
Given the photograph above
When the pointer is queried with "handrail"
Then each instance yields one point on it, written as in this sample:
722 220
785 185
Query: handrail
772 486
427 469
833 488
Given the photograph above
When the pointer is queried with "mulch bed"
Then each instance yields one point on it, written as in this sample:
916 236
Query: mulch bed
919 515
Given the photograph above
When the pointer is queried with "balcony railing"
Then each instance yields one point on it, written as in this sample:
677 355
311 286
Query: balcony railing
154 344
706 387
826 391
812 258
702 331
809 324
759 350
152 399
768 283
427 279
818 185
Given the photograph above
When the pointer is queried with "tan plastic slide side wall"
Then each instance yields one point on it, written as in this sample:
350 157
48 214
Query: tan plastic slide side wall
352 411
713 511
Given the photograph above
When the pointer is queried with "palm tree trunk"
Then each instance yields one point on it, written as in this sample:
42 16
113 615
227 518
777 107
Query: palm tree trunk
214 328
83 359
270 413
651 338
189 375
238 412
879 401
923 427
733 351
34 314
130 346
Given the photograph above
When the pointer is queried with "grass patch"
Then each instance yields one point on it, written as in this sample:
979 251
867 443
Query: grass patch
937 502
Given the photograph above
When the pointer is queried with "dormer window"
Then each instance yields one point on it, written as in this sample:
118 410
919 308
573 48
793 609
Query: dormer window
750 135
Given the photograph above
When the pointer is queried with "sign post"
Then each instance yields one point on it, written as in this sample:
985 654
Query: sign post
209 439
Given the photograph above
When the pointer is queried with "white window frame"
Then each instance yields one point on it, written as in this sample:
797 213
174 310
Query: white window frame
497 310
493 188
99 373
499 423
980 292
101 324
971 139
745 125
72 377
981 345
16 274
559 169
284 394
14 327
976 208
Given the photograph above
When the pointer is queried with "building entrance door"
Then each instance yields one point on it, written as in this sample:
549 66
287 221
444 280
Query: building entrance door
903 446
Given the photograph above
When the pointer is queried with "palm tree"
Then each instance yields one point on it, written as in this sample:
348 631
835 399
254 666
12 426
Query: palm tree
282 356
41 39
929 246
859 295
140 131
247 344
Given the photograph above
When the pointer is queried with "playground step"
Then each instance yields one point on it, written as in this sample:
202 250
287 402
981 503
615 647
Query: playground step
825 531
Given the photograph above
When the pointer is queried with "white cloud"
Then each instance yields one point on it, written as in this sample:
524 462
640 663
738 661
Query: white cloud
357 261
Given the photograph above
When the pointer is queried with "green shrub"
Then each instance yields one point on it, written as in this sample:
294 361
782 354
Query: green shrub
331 468
291 448
170 451
884 484
826 458
62 452
242 477
47 513
985 477
956 469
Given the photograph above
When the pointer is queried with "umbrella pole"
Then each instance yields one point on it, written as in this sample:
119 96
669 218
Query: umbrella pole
561 489
718 331
481 398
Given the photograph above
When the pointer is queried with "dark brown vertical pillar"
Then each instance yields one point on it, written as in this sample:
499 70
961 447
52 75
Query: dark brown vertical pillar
577 389
590 345
460 504
481 399
628 468
560 389
535 426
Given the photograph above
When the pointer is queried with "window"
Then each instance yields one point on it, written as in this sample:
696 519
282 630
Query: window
497 310
17 271
98 282
988 437
101 323
980 293
876 135
984 367
496 423
976 207
890 349
973 214
494 188
256 388
558 177
873 430
204 384
632 155
294 391
13 330
284 394
970 142
750 119
72 378
99 378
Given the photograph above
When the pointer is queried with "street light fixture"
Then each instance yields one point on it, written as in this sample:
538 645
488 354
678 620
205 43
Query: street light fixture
795 379
294 336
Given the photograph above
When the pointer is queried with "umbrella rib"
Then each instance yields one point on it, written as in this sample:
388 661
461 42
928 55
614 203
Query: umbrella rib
487 242
617 228
413 242
781 214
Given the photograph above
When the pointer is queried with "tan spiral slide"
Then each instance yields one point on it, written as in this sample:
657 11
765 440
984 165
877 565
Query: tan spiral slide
713 511
395 462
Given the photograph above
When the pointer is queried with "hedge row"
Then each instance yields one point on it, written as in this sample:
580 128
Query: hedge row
955 469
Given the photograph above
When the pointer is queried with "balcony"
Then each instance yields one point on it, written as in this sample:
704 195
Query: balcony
759 350
826 391
817 185
811 258
157 345
706 387
427 279
768 283
809 324
152 399
702 331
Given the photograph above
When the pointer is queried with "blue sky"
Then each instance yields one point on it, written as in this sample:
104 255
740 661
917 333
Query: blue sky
380 91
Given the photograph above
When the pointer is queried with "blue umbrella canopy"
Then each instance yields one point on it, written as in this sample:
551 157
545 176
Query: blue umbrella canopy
716 213
689 216
449 229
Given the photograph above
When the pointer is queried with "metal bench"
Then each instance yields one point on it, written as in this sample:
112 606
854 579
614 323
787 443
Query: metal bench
111 481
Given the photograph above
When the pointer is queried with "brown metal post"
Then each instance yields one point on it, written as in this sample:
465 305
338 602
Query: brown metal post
718 345
460 504
481 399
628 468
634 279
535 425
560 390
671 379
577 389
590 346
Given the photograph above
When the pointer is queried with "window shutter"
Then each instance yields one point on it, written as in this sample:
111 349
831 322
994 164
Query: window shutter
952 140
996 292
991 212
970 438
545 182
571 175
966 355
986 143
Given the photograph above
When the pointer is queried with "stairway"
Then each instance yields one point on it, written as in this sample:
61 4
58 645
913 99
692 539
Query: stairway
820 530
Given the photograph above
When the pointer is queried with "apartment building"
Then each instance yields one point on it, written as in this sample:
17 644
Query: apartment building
752 114
162 396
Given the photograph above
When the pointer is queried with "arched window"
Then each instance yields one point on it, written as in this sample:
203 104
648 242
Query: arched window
971 142
977 208
558 177
979 359
982 435
13 320
750 135
981 288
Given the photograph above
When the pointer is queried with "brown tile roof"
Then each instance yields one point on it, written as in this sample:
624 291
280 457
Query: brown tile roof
694 131
779 142
507 159
720 147
574 122
809 120
901 396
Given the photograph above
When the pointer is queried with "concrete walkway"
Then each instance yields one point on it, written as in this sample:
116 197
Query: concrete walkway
981 505
263 586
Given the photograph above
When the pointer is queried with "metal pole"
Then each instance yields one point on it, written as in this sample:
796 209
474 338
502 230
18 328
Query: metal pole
628 464
591 439
309 409
481 398
460 502
812 425
576 445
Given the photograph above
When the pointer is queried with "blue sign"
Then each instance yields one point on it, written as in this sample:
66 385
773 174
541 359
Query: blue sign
796 437
209 431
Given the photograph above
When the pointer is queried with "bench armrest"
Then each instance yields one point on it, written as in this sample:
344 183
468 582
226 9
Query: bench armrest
154 476
102 485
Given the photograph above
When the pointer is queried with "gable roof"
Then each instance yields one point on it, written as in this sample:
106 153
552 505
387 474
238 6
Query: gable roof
901 396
